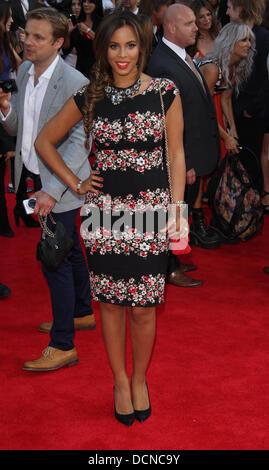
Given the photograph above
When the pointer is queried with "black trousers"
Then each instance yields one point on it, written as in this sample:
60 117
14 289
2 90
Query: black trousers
4 223
21 194
250 133
69 287
190 196
7 144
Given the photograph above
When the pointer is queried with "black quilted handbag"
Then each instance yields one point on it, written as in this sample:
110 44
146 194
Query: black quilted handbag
54 245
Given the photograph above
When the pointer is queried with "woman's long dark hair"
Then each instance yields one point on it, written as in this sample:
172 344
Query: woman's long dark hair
5 41
67 7
196 6
101 73
95 14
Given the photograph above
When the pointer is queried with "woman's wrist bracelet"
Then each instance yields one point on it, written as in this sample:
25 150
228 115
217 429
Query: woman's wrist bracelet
78 186
179 203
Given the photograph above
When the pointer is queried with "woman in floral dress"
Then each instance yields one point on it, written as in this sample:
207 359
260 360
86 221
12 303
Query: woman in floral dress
126 248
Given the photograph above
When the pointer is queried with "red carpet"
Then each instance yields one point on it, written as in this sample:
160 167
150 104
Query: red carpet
208 379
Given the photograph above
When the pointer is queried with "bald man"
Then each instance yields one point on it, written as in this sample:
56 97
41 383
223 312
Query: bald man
201 135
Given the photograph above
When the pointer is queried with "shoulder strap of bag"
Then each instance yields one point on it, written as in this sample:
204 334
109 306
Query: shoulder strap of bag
166 145
43 224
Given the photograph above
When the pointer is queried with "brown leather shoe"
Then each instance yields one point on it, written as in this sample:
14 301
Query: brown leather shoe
52 359
185 268
266 269
177 278
80 323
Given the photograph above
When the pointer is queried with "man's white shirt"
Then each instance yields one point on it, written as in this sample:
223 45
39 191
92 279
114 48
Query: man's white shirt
177 49
25 6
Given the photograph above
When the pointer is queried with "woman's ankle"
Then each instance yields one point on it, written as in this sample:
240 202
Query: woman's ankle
123 397
138 379
121 381
140 393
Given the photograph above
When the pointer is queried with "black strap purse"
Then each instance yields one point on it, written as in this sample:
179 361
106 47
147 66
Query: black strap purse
54 244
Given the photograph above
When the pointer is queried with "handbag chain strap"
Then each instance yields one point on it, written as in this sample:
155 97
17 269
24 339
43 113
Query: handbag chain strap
166 146
43 223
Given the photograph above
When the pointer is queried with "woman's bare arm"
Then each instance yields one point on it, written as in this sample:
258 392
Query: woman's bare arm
47 140
176 149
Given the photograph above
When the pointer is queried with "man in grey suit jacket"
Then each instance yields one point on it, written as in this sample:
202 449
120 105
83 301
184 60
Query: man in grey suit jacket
45 83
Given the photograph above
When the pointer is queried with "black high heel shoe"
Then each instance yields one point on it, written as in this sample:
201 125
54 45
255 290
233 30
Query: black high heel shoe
5 229
142 415
127 419
6 232
28 220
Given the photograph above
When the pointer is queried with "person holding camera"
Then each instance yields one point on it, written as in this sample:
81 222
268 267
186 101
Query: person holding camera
73 13
81 36
9 61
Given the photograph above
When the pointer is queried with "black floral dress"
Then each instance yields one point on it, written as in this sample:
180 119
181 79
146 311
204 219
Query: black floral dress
126 246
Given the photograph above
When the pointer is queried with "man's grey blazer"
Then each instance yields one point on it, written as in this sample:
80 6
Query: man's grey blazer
64 82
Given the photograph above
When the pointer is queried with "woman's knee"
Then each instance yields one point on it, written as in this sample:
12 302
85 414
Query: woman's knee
142 315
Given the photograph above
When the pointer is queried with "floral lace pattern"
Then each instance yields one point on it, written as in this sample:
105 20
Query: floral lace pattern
146 200
163 84
227 196
129 159
147 291
128 242
136 127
